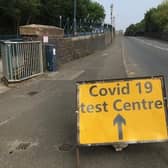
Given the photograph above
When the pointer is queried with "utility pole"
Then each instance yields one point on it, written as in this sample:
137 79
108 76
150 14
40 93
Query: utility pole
114 18
60 21
112 7
75 22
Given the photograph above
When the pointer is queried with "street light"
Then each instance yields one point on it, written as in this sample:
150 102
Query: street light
112 6
60 21
75 24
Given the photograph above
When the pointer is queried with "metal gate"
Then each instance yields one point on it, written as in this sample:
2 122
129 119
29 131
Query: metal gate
21 60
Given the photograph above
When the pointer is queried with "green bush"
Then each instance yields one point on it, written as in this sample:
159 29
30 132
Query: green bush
155 20
14 13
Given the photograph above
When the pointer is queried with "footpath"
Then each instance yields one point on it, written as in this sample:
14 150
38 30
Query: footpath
38 120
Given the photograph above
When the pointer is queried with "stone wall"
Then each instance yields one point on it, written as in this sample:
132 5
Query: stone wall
69 49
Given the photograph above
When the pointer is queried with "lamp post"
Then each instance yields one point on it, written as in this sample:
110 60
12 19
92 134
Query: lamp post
112 6
60 21
75 22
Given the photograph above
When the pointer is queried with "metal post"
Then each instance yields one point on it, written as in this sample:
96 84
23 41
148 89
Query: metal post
112 6
68 27
114 18
77 157
60 21
41 57
75 22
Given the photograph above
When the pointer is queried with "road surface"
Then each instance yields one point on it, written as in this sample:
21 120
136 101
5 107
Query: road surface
38 121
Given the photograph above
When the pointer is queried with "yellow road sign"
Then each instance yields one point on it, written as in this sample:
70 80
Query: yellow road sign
130 110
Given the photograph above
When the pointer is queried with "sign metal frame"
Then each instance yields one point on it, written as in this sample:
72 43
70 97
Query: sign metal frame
120 80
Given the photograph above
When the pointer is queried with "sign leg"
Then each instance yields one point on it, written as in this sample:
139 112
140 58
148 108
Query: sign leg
77 157
120 146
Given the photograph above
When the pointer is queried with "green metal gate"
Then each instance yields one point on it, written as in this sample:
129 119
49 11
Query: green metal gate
21 60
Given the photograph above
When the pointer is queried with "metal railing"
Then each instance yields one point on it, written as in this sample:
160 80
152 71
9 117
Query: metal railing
21 60
11 37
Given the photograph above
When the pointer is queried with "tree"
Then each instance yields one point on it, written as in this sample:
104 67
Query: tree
96 12
131 30
135 29
17 12
21 12
155 20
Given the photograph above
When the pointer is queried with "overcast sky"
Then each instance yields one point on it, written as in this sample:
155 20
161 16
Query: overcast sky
128 11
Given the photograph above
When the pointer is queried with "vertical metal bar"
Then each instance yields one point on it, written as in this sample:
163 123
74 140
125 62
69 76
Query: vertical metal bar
15 55
14 61
41 57
22 57
29 54
26 48
26 63
75 22
10 61
17 61
36 58
21 60
77 157
5 61
31 59
24 53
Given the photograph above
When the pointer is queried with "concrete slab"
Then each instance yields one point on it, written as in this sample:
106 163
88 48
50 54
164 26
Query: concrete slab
1 69
3 88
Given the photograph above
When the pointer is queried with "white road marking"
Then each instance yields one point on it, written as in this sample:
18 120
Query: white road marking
15 144
131 73
105 54
151 45
129 68
124 59
77 75
65 75
5 121
3 88
52 74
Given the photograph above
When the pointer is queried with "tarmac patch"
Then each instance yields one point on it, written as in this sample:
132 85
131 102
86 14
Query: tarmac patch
65 148
18 146
3 88
33 93
131 73
66 75
5 121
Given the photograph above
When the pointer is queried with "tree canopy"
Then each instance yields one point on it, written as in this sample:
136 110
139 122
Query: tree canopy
155 20
14 13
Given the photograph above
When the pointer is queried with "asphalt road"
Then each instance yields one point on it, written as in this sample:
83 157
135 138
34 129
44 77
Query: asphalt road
38 120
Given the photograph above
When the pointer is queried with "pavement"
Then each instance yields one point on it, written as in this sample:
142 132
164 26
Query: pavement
1 68
145 57
38 120
2 87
